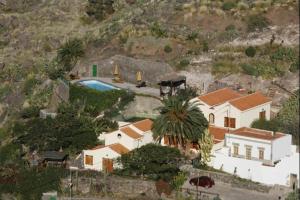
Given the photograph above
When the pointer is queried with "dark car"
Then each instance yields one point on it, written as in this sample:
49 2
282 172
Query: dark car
203 181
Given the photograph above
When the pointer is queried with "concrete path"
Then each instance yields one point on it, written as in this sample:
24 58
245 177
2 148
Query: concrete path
227 192
127 86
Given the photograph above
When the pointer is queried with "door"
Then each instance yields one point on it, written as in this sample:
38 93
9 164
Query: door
94 70
262 115
107 164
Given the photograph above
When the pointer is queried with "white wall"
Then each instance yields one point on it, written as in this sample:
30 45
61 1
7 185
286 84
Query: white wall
125 140
230 139
98 154
255 171
248 116
281 147
243 118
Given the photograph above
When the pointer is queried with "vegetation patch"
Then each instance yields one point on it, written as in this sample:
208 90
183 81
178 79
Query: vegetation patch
256 22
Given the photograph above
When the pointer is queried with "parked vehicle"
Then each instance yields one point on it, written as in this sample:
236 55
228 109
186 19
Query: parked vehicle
203 181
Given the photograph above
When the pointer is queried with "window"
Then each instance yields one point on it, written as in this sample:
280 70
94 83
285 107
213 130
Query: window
211 118
235 150
262 115
88 160
261 154
248 153
229 122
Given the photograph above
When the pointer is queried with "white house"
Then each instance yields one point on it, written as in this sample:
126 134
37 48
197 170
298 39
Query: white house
259 155
123 140
227 108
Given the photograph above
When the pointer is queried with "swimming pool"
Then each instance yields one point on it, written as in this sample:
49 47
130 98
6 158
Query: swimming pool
98 85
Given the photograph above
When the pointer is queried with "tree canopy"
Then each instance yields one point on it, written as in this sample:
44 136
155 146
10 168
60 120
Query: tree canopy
180 119
152 161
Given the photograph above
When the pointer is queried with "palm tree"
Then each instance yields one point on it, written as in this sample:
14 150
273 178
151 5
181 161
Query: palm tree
180 120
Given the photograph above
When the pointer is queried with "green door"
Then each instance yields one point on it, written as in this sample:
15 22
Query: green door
94 71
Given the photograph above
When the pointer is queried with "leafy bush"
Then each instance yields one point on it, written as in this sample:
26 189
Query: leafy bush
266 70
183 64
294 66
228 5
168 49
225 66
270 125
29 85
99 9
283 54
157 30
250 51
205 47
98 101
249 69
30 112
54 70
257 22
230 27
69 53
295 195
192 36
187 94
152 161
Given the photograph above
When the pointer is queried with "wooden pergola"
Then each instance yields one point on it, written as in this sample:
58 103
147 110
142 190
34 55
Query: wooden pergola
173 82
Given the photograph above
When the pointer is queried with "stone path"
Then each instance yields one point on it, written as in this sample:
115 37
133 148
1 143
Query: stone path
127 86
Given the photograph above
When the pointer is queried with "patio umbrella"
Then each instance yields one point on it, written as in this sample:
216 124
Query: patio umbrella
116 70
139 76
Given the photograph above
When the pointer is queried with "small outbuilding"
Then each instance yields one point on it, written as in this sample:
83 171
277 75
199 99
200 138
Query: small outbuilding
171 83
54 158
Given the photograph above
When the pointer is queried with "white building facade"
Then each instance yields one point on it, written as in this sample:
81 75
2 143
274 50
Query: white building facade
259 155
227 108
123 140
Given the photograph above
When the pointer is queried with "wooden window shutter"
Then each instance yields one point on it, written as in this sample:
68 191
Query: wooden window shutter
226 121
88 160
166 140
262 115
232 122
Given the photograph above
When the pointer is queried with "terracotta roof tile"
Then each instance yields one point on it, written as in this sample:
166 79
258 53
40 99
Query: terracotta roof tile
250 101
256 133
219 96
144 125
218 133
120 149
130 132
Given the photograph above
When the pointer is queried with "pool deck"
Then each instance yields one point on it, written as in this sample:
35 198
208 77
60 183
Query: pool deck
127 86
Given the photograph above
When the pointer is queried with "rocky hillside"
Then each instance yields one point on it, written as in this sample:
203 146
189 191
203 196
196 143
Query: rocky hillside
207 41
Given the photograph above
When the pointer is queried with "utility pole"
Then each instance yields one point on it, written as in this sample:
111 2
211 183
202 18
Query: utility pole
70 184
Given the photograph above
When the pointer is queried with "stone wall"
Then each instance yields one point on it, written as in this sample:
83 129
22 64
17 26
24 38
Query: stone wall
89 183
227 178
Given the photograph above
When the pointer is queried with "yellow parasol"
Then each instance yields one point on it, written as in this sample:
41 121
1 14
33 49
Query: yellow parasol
116 70
139 76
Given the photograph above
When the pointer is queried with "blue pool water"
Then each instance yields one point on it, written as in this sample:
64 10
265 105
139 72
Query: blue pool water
98 85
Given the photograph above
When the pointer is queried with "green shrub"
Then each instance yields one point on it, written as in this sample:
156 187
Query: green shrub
69 53
270 125
157 30
192 36
249 69
205 47
168 49
152 161
225 66
228 5
54 70
257 22
30 112
29 85
283 54
294 66
99 9
98 101
295 195
183 64
250 51
230 27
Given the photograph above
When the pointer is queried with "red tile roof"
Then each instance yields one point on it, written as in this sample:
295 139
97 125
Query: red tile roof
250 101
144 125
219 96
256 133
98 147
130 132
218 133
119 148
